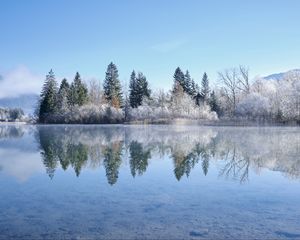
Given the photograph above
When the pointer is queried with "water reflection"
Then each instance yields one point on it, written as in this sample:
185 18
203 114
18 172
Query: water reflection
236 150
11 131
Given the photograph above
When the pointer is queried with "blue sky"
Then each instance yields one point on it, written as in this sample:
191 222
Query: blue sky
151 36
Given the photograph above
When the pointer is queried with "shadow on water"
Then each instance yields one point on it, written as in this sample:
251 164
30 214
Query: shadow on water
237 150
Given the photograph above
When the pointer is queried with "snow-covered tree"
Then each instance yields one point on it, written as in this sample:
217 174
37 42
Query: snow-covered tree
138 89
48 97
112 86
62 96
78 92
179 80
95 93
188 84
205 90
253 106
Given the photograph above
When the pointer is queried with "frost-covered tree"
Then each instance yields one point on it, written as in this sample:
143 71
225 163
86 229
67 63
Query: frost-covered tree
133 90
112 86
138 89
78 92
253 106
243 79
230 88
11 114
62 96
194 88
188 83
179 80
48 97
95 93
213 103
205 88
143 87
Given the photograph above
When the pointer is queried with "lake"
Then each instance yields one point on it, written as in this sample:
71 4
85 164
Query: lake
149 182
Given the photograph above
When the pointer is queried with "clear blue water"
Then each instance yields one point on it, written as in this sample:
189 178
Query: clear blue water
149 182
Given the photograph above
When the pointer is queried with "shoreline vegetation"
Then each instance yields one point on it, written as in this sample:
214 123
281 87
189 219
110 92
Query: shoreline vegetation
235 101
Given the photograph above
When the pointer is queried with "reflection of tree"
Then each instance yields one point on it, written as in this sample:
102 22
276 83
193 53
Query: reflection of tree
184 164
237 150
235 166
63 155
78 155
138 158
54 149
48 151
112 161
205 162
10 131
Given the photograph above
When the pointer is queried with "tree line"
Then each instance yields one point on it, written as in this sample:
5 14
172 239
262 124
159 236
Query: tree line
235 98
68 99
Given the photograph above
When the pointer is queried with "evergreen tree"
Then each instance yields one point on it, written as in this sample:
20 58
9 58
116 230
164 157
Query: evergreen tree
188 83
133 90
199 99
205 87
78 94
179 79
193 89
63 93
48 97
138 89
126 108
112 86
142 87
214 103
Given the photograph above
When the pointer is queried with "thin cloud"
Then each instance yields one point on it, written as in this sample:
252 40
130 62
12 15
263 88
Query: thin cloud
169 46
20 81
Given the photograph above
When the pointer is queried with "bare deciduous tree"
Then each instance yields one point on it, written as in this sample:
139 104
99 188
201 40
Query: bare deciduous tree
243 79
229 80
235 81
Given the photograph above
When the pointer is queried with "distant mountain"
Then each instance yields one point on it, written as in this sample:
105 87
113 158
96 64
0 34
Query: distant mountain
279 76
27 102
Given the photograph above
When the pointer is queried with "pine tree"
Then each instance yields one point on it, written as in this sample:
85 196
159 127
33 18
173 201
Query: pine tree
138 89
126 108
142 88
214 103
78 92
133 90
48 97
188 83
199 99
112 86
205 87
193 89
63 93
179 79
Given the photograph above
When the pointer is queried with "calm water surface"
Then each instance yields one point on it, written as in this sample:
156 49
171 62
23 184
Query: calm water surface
155 182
